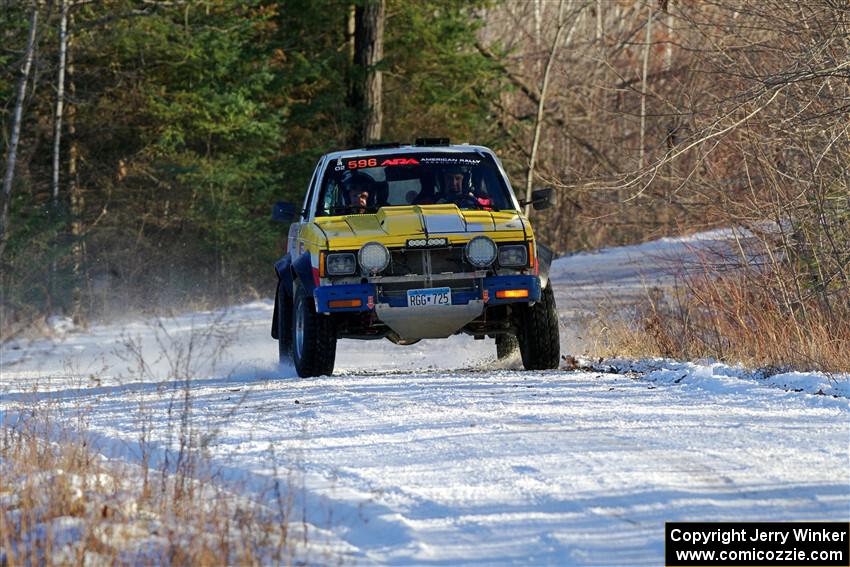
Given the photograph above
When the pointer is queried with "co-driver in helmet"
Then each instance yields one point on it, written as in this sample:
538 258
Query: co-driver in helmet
357 188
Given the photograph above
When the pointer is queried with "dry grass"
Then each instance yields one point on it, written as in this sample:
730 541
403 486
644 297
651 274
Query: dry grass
737 317
63 503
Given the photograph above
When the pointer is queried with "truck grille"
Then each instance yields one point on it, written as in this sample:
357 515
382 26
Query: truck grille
399 289
406 262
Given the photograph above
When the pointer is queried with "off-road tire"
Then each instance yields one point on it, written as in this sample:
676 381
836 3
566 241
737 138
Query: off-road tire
506 346
539 343
314 344
284 326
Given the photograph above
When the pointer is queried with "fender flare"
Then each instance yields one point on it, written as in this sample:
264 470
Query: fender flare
287 273
283 269
545 255
302 268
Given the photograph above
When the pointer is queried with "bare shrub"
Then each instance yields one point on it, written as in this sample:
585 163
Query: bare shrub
735 318
61 502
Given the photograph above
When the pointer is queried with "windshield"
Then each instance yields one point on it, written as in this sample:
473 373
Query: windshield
363 184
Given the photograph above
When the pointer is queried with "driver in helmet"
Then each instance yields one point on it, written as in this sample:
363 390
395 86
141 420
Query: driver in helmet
455 186
356 190
457 190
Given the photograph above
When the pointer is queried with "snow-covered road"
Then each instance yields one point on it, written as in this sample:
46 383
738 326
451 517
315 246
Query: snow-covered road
432 454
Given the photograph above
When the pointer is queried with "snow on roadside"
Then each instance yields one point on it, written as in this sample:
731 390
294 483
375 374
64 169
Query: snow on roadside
717 376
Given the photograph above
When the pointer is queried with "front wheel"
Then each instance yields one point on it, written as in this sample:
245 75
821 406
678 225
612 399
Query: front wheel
313 338
539 343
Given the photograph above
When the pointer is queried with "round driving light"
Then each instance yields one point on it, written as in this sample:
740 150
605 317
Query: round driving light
481 251
374 257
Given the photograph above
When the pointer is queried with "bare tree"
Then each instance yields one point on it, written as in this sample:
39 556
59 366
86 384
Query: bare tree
563 25
6 196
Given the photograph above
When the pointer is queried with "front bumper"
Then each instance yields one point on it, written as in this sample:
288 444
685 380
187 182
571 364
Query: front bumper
370 295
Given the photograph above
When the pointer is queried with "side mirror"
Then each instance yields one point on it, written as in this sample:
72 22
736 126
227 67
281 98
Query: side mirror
283 212
540 199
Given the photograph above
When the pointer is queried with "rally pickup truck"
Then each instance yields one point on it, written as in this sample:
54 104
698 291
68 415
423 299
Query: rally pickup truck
411 242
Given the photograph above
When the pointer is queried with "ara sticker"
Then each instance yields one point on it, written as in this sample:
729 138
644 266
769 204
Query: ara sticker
400 161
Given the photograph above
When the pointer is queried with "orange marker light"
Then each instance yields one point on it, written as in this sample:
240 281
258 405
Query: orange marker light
337 303
321 264
511 293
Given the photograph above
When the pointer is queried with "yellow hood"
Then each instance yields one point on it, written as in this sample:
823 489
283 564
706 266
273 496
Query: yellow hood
393 226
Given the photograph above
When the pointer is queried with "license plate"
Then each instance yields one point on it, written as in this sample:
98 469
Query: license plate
429 297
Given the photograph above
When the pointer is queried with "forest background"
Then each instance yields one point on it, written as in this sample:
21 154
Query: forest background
144 142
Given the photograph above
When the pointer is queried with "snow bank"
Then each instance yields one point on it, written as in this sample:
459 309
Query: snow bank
717 376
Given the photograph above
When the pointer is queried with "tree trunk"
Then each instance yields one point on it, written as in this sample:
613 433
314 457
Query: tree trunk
537 34
57 125
368 52
643 86
350 30
599 21
60 98
668 51
75 194
6 195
